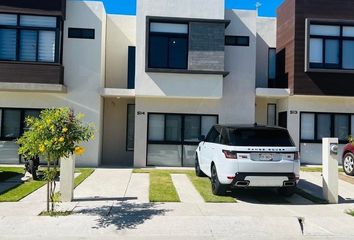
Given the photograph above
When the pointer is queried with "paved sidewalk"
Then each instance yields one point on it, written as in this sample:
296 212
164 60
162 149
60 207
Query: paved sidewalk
104 183
113 204
132 220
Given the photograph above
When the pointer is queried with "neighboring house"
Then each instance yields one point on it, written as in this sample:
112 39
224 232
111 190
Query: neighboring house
315 73
156 81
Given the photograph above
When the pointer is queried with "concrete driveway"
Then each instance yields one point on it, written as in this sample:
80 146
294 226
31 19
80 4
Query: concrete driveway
113 203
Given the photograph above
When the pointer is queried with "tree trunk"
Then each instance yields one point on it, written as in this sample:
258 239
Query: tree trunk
48 188
53 185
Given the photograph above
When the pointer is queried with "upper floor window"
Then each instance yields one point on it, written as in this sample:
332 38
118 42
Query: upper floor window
331 46
272 63
237 41
83 33
168 45
29 38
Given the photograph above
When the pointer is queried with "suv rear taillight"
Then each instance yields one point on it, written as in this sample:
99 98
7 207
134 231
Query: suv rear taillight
296 156
230 154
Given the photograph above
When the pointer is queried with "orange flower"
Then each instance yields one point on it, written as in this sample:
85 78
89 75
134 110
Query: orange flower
79 150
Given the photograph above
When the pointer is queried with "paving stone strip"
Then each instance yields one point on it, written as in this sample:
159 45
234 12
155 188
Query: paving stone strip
185 189
138 187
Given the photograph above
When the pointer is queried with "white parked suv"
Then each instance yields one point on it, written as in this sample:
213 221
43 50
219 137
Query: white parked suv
240 156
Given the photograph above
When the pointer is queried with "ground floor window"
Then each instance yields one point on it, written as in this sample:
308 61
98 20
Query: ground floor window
315 126
12 123
173 138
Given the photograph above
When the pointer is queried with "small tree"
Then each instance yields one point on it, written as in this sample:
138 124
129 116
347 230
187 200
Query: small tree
55 134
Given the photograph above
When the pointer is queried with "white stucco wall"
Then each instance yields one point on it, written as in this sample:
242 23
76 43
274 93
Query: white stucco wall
266 38
170 84
114 150
238 102
121 33
84 75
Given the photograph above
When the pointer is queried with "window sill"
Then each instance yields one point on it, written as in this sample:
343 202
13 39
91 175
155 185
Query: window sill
320 141
328 70
31 63
185 71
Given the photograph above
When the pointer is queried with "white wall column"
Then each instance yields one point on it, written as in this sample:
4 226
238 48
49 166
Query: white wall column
67 171
330 169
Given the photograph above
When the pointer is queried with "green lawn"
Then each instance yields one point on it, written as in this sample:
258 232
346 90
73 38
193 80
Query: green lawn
163 190
161 186
350 212
316 169
9 172
22 190
85 173
203 186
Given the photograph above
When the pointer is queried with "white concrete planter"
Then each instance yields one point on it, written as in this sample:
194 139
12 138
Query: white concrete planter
67 171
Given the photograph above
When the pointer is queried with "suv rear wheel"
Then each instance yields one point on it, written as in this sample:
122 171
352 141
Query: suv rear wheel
216 186
348 164
198 171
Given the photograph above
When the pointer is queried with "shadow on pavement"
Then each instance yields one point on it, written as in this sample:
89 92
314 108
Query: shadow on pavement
316 191
104 199
260 195
309 191
123 215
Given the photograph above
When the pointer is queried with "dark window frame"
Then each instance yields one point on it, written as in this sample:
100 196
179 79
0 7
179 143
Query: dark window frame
131 67
324 38
82 32
332 116
271 81
168 36
22 121
18 28
182 142
236 42
126 134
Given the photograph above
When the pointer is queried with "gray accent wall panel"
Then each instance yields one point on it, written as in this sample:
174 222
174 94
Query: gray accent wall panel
206 46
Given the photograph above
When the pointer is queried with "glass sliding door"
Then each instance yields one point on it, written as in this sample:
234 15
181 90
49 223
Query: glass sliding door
173 138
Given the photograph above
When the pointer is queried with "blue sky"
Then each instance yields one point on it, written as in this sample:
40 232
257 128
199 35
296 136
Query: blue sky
268 7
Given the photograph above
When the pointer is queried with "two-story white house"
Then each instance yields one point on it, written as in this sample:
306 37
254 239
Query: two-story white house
152 83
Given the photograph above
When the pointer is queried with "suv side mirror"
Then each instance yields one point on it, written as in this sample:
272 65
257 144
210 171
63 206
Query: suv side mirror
201 138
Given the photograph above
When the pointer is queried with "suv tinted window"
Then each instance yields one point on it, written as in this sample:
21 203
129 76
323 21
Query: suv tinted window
260 137
213 136
224 137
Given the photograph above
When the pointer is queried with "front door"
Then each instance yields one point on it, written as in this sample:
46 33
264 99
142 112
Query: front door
283 119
